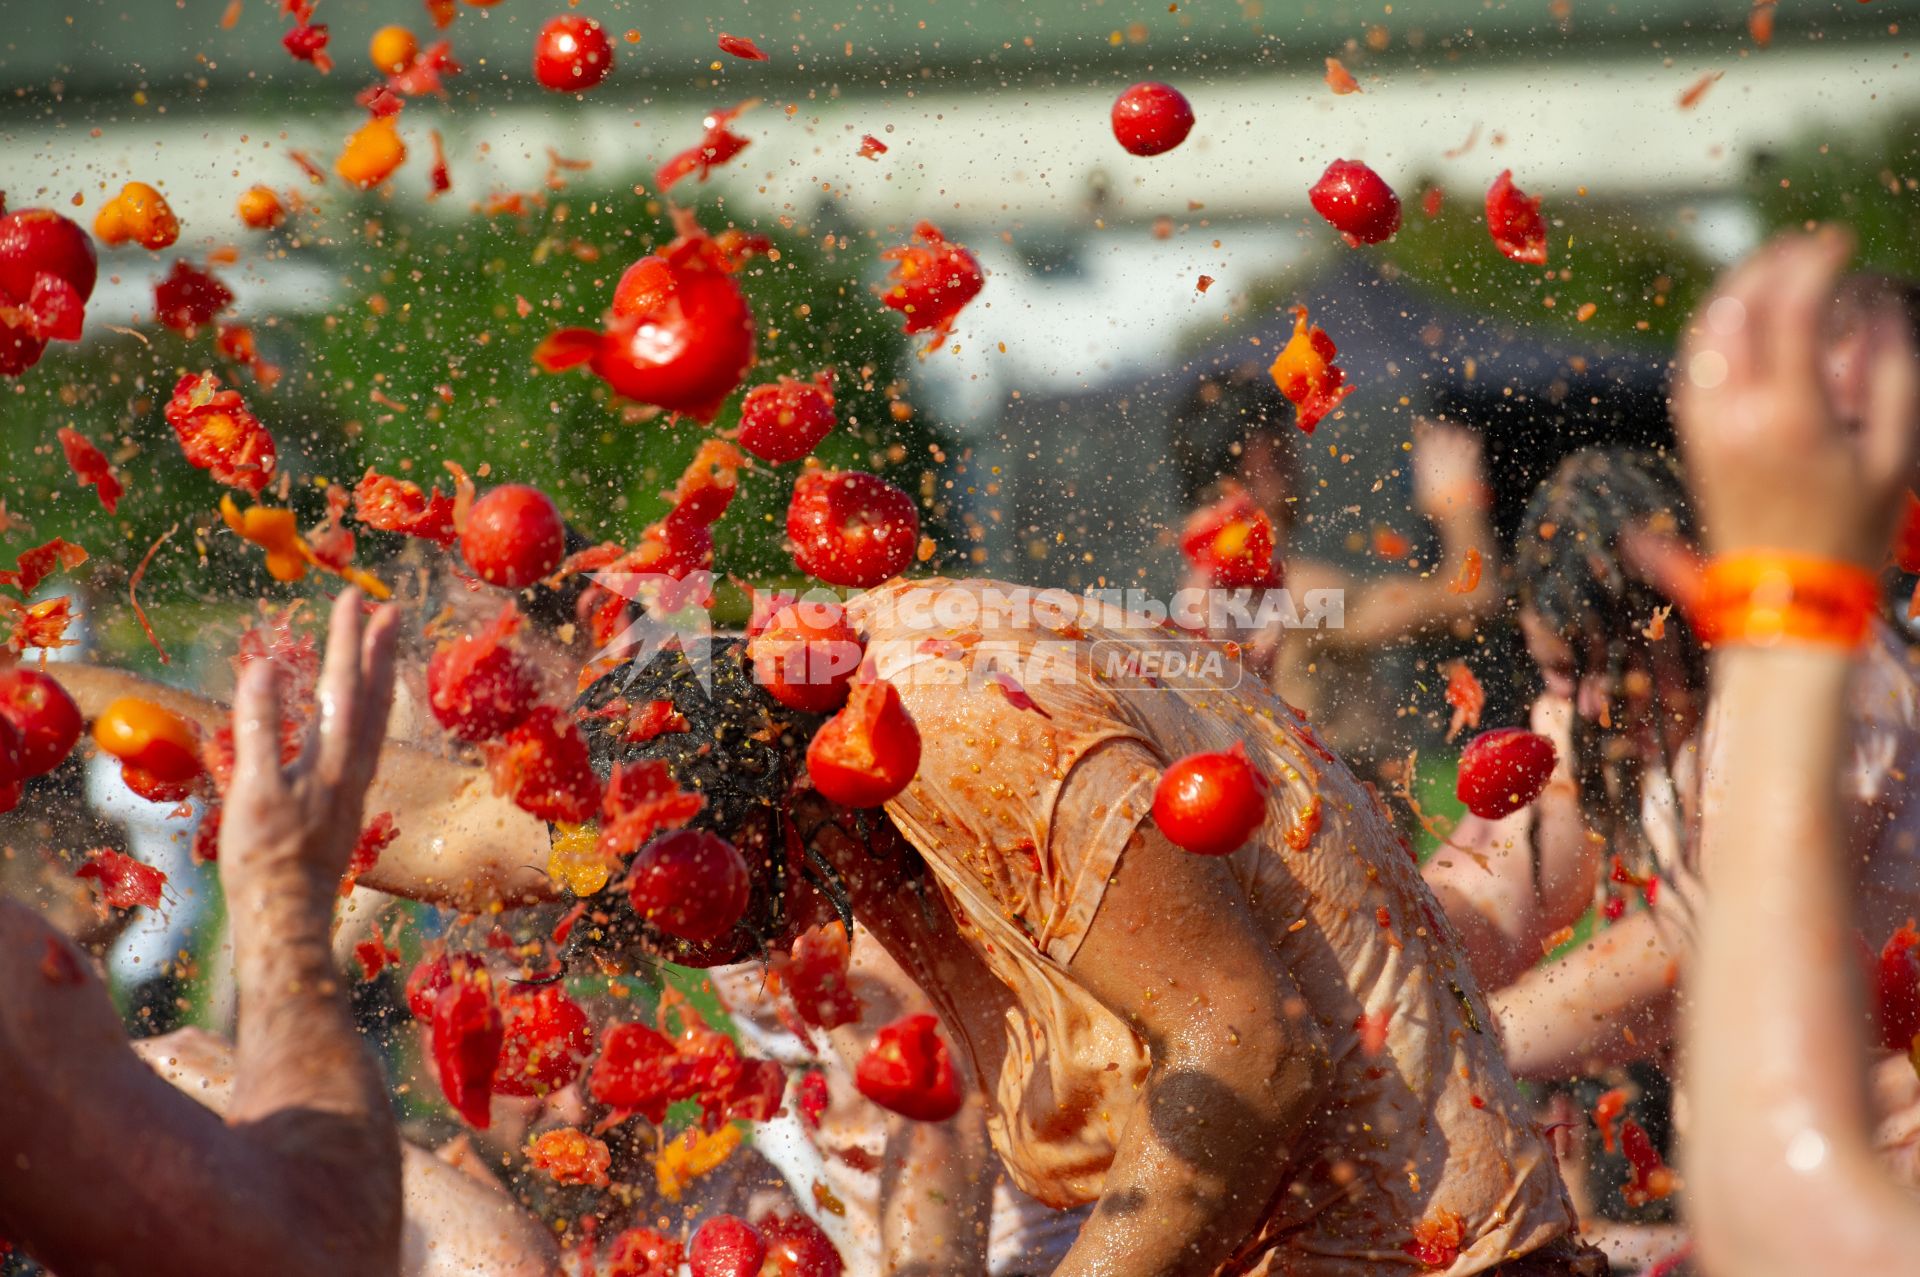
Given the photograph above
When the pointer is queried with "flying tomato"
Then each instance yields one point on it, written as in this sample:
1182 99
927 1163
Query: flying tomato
47 719
545 1041
869 751
740 47
1151 118
1339 79
1465 696
468 1033
124 881
514 536
785 421
572 54
716 147
149 738
798 1247
1357 201
1211 803
47 272
806 656
908 1070
851 528
1305 373
1514 221
1232 542
635 1072
89 466
816 977
1896 989
690 884
372 153
571 1157
477 686
399 505
679 334
542 764
392 49
219 434
189 298
726 1246
932 281
1503 770
140 215
642 1252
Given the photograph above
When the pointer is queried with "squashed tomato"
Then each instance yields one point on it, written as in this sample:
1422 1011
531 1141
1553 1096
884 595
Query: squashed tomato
124 882
1232 542
151 738
572 54
719 144
189 298
89 466
726 1246
514 536
851 528
806 656
428 980
47 272
1437 1239
219 434
691 884
816 976
679 334
785 421
908 1070
140 215
1305 373
477 686
546 1040
1151 118
1357 201
542 764
869 751
932 281
1503 770
1211 803
46 717
642 1252
399 505
571 1157
467 1036
1515 223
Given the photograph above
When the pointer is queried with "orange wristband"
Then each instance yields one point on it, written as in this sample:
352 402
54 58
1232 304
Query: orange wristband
1764 597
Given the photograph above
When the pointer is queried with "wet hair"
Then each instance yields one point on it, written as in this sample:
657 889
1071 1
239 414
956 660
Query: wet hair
1571 572
741 752
1223 412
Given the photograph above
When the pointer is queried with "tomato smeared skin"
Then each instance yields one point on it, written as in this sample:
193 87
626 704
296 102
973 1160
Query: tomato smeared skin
869 751
1232 542
1211 803
1305 373
1514 221
1503 770
1151 119
932 282
679 334
851 528
908 1070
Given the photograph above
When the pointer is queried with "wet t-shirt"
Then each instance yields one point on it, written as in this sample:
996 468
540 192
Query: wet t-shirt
1044 728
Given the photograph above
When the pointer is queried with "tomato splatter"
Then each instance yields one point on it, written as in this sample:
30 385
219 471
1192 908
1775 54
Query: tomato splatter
124 881
1232 542
816 976
1607 1111
851 528
1305 373
542 765
1514 221
1437 1239
570 1156
468 1033
89 466
375 838
784 421
139 214
1651 1179
871 147
219 434
399 505
932 281
545 1040
869 751
1468 581
1339 79
741 47
718 145
189 298
1466 697
908 1070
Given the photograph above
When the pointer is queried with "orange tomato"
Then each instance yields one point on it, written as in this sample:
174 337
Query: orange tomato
392 50
150 738
372 154
261 209
138 213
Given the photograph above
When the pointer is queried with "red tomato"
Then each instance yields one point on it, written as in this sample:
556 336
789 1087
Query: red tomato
157 741
47 273
635 1071
1515 223
152 788
514 536
11 775
124 882
869 751
572 54
851 528
641 1252
189 298
690 884
1210 804
716 146
477 687
785 421
1896 988
546 1040
806 656
931 282
467 1036
1152 118
727 1246
816 977
1503 770
48 721
679 335
430 978
1232 541
399 505
797 1247
908 1070
1357 201
543 764
219 434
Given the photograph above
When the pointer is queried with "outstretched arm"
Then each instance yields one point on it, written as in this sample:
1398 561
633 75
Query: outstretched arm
105 1167
1782 1174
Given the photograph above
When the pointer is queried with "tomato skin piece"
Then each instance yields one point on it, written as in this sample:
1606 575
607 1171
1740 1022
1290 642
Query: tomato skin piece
572 54
1514 221
156 740
815 976
691 884
429 979
1151 118
908 1070
869 751
47 719
784 421
1357 201
851 528
806 656
1503 770
727 1246
514 536
1211 803
189 298
545 1041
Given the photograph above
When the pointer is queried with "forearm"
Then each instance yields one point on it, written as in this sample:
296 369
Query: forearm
1778 1026
1608 1002
937 1195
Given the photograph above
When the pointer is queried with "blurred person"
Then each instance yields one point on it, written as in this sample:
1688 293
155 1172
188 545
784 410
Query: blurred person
1797 495
1235 428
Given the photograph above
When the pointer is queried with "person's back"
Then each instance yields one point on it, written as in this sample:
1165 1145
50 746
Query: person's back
1044 734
